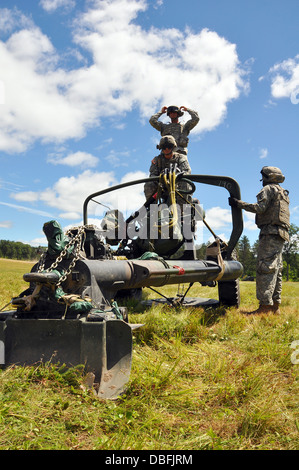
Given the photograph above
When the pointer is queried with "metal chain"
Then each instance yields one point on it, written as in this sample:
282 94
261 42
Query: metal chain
75 241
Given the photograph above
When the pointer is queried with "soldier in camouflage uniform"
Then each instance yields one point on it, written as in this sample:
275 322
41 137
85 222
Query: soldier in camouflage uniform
167 158
178 130
273 219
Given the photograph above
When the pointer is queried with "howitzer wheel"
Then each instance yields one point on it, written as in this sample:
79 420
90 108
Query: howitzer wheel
229 293
127 294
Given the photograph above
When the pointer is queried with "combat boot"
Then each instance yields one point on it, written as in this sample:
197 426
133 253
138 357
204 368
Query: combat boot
263 309
276 308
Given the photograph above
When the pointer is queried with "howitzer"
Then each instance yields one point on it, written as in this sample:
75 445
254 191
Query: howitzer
71 312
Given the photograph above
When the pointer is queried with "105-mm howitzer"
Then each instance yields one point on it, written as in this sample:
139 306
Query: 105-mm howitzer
71 312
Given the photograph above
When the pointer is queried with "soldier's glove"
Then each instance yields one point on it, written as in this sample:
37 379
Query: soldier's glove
233 202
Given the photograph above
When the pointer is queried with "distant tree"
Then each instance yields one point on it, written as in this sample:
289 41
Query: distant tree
246 256
290 253
201 251
18 250
4 248
254 248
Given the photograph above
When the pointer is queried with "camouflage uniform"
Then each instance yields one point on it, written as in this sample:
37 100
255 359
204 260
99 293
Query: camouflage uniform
178 130
181 231
159 165
273 219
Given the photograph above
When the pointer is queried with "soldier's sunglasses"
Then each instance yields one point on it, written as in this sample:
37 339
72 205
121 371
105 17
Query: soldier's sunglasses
167 146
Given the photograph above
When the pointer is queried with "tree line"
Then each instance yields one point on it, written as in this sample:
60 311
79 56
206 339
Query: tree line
247 256
19 250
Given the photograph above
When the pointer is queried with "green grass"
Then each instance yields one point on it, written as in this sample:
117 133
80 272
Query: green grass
200 380
11 278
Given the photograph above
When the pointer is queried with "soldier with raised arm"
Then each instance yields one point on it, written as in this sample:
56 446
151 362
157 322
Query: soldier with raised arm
178 130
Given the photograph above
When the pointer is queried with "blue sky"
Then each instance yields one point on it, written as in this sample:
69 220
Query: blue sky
80 79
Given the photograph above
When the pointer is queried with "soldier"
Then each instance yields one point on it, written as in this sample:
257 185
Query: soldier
273 220
162 162
168 160
178 130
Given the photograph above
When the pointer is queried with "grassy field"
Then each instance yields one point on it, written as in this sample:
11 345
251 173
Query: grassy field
201 380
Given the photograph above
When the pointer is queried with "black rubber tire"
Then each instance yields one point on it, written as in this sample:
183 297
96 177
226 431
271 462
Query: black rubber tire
127 294
229 293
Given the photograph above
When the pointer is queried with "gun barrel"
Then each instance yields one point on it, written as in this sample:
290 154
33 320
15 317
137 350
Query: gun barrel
128 274
101 279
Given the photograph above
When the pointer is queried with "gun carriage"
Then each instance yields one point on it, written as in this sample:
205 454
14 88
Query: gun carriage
71 312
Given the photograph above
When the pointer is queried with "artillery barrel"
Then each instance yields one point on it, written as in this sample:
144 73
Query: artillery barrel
112 275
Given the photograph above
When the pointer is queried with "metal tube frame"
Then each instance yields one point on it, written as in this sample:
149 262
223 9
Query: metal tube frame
221 181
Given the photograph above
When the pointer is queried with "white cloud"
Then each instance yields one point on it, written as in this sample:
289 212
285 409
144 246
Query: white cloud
116 158
285 79
9 186
295 95
263 153
75 159
217 217
25 196
222 236
5 224
52 5
128 68
10 19
42 241
249 222
27 209
2 92
70 215
69 193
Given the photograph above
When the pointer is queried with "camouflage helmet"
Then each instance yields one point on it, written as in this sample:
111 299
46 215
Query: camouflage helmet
272 174
167 141
174 109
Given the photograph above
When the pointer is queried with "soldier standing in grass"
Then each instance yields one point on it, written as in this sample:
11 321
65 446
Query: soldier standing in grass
273 220
175 128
